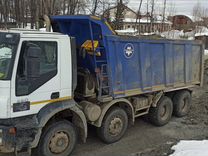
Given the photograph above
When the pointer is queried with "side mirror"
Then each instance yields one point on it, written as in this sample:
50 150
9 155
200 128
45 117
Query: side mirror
33 62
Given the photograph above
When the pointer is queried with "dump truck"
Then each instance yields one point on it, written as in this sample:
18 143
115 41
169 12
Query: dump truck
54 84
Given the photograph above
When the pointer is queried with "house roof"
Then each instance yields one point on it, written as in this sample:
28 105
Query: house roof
145 20
192 18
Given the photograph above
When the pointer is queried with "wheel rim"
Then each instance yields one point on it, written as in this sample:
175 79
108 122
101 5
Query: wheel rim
163 113
184 104
116 126
59 142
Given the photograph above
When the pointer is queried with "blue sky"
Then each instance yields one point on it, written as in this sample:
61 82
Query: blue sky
181 6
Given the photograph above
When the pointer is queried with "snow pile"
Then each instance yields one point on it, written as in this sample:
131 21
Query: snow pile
191 148
206 52
133 20
149 34
189 34
176 34
42 29
129 31
145 20
173 34
201 31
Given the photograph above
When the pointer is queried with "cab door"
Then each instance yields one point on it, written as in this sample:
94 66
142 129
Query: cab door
36 80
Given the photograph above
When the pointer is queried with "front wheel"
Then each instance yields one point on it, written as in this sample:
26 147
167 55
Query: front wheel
114 125
161 114
58 139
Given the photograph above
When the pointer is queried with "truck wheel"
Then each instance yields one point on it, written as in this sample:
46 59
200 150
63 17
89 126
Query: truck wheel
114 125
181 103
58 139
161 114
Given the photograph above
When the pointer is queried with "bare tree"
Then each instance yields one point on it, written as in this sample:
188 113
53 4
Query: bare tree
164 15
4 12
138 16
106 13
106 6
171 9
95 5
33 13
200 15
148 15
119 15
152 14
30 11
197 10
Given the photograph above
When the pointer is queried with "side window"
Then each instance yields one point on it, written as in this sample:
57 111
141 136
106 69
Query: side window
37 65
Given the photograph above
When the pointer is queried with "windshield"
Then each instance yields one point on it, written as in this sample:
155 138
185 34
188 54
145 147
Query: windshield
8 47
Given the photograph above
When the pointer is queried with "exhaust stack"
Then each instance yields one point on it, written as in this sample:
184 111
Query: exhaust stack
47 22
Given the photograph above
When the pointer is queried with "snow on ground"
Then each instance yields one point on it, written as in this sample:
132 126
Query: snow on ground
201 31
206 54
176 34
173 34
206 51
191 148
201 34
129 31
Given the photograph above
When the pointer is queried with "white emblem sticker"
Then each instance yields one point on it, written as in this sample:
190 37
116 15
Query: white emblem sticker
128 50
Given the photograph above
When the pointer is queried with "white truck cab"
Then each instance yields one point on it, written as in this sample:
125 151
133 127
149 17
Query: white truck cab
36 82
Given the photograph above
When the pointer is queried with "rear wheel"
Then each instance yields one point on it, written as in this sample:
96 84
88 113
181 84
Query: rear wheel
161 114
181 103
58 139
114 125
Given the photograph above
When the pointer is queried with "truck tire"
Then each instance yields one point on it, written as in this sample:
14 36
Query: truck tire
181 103
161 115
114 126
58 139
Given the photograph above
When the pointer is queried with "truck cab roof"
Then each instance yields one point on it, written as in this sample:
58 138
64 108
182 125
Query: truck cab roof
36 33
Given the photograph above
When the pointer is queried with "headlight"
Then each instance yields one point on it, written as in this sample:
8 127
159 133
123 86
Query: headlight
0 136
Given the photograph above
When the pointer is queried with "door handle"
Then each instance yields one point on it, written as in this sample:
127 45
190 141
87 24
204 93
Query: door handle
55 95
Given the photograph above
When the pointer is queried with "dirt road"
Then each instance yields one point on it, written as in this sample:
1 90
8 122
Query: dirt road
144 139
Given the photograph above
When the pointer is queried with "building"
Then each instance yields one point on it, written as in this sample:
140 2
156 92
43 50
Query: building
185 22
128 12
143 24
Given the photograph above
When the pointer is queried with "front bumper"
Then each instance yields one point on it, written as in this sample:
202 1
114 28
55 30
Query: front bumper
7 140
26 129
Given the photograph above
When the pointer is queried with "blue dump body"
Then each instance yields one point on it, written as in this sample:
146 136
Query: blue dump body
135 66
140 66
